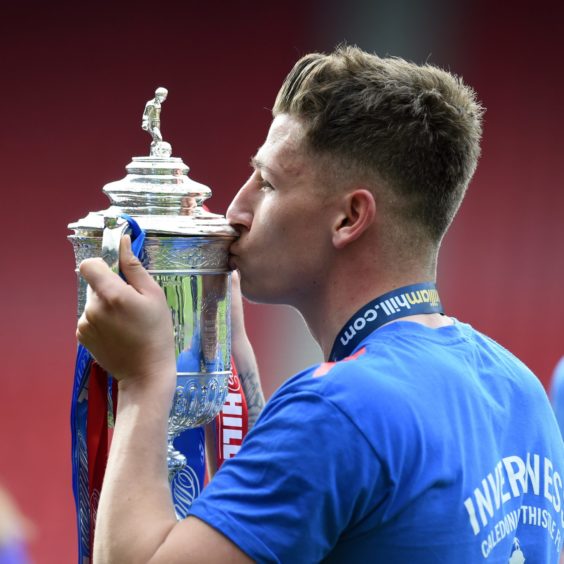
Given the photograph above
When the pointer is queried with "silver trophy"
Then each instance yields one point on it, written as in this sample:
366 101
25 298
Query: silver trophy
186 251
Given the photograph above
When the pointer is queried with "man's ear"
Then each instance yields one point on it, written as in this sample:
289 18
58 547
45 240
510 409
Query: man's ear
356 216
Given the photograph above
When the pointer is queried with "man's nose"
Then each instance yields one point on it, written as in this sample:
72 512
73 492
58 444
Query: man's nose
239 213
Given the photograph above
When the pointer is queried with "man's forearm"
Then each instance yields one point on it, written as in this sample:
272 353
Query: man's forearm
247 368
244 356
135 513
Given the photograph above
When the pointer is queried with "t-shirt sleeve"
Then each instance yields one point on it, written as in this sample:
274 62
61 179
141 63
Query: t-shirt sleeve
304 475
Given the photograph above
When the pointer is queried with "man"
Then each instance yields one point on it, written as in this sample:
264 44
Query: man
419 440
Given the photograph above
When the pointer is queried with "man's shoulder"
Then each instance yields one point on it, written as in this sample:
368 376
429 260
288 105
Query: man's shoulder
405 369
362 381
409 365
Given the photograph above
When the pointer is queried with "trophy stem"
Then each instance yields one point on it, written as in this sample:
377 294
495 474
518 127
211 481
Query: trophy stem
176 461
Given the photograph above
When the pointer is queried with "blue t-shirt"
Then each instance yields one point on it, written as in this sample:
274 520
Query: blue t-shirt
427 445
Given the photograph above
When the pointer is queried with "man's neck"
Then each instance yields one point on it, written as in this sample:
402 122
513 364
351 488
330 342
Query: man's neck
327 313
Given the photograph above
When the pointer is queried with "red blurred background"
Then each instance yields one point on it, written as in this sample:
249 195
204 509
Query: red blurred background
75 78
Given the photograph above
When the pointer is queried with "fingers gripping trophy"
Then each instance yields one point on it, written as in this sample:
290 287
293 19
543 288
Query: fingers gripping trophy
185 248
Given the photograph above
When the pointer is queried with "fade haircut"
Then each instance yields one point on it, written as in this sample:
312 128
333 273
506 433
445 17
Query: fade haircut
416 129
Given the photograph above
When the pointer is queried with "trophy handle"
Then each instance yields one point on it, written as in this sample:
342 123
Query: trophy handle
115 227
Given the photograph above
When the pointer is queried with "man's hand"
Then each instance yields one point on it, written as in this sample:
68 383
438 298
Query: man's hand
126 326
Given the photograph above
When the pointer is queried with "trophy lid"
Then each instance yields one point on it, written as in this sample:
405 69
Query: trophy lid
157 191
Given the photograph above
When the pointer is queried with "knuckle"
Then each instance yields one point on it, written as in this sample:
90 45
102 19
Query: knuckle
83 325
111 298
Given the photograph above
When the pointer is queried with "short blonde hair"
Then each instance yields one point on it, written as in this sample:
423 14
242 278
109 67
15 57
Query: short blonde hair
417 127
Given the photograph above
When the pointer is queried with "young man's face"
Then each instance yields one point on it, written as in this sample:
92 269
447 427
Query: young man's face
283 215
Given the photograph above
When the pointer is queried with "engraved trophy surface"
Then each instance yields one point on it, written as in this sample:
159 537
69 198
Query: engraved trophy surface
186 251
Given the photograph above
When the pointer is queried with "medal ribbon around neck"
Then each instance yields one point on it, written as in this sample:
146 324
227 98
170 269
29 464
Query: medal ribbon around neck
402 302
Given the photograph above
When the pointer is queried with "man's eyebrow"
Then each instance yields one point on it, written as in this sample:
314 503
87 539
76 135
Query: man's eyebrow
259 165
256 163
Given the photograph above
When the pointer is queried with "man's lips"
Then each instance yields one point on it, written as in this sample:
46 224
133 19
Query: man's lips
233 255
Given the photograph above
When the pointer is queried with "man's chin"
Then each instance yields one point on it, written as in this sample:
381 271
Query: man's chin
253 296
260 295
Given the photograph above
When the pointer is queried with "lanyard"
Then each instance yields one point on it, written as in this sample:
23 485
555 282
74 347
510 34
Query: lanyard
404 301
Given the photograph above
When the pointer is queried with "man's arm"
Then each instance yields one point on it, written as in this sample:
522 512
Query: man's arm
244 356
128 329
246 365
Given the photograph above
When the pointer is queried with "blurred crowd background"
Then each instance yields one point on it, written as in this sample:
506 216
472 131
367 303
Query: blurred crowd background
74 80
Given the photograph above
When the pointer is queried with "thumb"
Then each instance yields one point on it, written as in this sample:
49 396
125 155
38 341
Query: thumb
131 268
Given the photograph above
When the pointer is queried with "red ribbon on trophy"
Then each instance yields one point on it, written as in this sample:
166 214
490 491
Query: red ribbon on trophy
232 423
97 437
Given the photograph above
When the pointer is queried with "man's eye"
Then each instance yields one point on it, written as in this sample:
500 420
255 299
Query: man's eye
265 186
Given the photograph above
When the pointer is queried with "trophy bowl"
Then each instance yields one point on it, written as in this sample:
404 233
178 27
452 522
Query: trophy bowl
197 400
200 306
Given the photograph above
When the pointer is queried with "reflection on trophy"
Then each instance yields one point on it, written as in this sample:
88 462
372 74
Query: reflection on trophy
203 369
186 250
